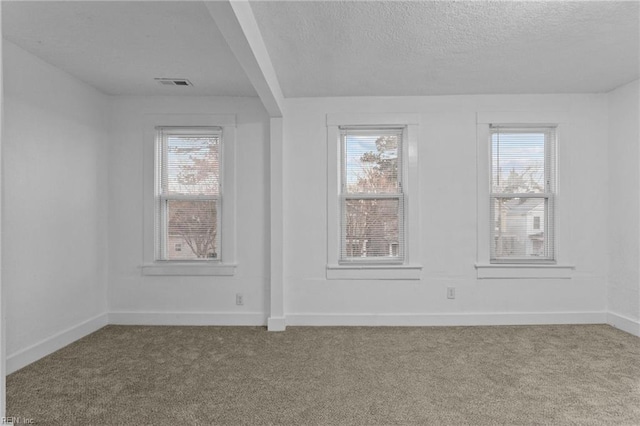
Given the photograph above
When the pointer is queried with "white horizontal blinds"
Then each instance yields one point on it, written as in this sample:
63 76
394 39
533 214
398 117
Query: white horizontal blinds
522 193
188 193
192 162
371 197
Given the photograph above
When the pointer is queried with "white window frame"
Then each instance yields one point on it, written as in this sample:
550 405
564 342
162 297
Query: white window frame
225 264
548 195
516 268
162 137
372 269
345 195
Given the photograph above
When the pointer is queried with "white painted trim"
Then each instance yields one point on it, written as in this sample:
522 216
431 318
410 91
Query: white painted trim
529 271
483 120
333 190
276 225
188 318
26 356
409 269
226 265
623 323
37 351
276 324
447 319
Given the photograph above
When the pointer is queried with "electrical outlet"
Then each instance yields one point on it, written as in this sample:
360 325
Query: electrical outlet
451 292
239 299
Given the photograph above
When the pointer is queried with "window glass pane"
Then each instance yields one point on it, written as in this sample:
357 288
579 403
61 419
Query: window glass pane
192 230
519 227
372 228
192 165
518 161
371 161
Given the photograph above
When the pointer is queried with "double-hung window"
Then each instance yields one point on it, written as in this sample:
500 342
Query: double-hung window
188 195
522 195
371 196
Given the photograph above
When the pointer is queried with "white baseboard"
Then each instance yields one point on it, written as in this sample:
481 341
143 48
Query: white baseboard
463 319
26 356
33 353
623 323
276 324
187 318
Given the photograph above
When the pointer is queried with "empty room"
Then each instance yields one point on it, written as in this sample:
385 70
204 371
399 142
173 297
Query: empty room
320 213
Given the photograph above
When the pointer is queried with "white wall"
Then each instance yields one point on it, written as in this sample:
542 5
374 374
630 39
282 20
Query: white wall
69 226
623 295
447 162
139 299
3 322
54 207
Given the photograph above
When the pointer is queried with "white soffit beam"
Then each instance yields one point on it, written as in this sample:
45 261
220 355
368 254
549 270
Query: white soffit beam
238 25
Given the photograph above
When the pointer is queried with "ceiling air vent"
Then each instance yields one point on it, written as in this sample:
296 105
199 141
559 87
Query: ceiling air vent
174 81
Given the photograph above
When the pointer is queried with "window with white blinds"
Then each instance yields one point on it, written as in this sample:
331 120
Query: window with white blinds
371 195
523 188
188 193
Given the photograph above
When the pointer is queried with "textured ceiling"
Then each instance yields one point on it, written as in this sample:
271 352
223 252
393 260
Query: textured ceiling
335 48
442 47
120 46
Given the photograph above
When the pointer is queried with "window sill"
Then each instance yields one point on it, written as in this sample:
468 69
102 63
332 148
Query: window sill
523 271
188 269
373 272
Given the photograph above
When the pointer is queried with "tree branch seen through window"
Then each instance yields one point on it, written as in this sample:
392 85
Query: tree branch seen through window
372 195
189 193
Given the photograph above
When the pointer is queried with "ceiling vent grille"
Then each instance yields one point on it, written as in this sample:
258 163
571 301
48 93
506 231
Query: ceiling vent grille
174 81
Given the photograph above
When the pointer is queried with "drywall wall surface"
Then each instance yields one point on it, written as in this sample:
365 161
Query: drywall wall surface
623 292
138 298
3 333
448 225
54 207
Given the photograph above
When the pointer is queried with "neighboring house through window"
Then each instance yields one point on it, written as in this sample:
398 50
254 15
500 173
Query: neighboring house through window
519 222
522 193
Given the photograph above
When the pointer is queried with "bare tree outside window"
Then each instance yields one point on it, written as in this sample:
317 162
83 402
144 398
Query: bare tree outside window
190 194
195 222
372 200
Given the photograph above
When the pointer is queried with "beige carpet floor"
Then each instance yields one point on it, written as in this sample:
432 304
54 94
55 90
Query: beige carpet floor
510 375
